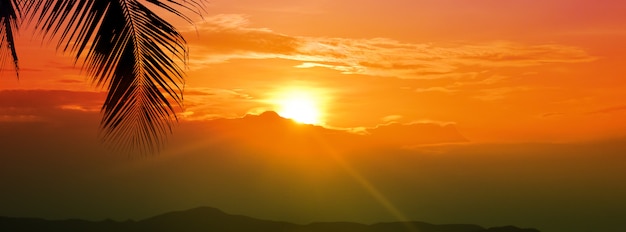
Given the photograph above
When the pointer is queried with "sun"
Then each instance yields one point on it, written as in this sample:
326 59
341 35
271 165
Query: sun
299 105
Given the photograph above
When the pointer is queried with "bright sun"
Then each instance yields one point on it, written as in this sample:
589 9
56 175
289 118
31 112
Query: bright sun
300 106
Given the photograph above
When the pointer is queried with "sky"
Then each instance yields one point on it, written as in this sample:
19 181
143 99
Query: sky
493 112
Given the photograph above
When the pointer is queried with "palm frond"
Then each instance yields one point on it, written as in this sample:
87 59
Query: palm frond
132 52
10 14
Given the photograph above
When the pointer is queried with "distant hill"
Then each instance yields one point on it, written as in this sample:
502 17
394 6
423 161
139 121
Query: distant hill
210 219
271 132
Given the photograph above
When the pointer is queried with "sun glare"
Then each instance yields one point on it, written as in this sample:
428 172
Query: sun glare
301 106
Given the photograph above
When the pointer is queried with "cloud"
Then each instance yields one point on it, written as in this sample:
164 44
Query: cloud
492 94
48 98
45 105
435 89
226 37
211 103
391 118
70 81
19 118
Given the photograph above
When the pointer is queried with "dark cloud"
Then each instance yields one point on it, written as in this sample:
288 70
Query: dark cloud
70 81
47 99
33 116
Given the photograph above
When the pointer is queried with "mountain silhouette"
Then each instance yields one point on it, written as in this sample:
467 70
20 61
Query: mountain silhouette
211 219
271 132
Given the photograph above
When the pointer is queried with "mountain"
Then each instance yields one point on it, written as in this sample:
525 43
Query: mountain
271 132
211 219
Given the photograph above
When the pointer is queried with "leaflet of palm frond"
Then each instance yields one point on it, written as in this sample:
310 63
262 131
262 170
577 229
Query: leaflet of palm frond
10 13
127 49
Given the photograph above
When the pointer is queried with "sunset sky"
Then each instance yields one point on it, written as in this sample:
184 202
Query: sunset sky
493 112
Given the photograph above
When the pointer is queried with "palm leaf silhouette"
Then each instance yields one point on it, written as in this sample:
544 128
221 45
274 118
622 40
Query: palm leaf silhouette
9 17
127 49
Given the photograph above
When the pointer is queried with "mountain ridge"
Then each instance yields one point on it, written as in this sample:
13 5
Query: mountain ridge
269 131
213 219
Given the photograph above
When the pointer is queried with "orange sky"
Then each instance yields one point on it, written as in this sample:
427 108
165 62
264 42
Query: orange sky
500 70
497 76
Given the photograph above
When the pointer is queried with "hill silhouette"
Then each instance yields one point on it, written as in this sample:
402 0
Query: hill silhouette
211 219
271 132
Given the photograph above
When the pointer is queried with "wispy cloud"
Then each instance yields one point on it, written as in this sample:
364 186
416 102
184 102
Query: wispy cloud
46 105
48 99
391 118
226 37
435 89
20 118
210 103
492 94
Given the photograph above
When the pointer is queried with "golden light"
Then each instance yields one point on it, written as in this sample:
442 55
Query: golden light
300 105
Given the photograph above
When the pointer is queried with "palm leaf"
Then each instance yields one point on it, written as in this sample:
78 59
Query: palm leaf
10 13
132 52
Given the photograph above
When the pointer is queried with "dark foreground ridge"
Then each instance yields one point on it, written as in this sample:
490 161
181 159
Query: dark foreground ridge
211 219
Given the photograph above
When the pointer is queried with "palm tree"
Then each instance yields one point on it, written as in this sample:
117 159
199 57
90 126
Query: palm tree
125 47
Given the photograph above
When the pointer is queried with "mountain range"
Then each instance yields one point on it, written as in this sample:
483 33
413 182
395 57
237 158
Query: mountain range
271 132
211 219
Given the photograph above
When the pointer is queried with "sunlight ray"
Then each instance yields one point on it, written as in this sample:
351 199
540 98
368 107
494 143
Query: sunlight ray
367 185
